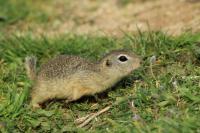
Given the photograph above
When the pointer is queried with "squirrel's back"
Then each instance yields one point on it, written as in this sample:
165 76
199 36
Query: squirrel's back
63 66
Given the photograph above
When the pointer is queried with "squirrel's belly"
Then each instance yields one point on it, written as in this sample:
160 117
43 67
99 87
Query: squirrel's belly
70 89
52 89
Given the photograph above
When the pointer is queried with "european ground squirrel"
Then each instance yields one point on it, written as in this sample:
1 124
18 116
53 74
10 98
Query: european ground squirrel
71 77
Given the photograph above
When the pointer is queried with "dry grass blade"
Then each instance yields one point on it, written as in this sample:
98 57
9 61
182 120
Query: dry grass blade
92 116
82 119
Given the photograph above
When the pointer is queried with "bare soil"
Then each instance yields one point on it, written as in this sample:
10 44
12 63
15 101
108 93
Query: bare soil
110 17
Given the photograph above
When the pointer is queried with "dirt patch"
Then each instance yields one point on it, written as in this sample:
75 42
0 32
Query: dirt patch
111 17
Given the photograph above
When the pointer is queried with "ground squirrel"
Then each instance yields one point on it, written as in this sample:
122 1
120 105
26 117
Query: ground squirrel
71 77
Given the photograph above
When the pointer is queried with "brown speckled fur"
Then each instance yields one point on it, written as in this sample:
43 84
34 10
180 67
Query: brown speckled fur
71 77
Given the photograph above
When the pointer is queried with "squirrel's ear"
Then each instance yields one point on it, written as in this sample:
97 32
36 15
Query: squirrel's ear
108 63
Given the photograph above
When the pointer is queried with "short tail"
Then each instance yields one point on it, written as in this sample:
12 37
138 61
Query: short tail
30 65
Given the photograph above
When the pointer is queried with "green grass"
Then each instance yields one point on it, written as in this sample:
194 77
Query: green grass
18 14
160 97
166 95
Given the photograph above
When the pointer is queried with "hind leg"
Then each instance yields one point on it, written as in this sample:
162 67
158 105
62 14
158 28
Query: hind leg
38 99
36 106
35 102
40 93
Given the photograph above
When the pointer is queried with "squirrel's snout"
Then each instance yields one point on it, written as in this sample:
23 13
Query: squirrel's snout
137 63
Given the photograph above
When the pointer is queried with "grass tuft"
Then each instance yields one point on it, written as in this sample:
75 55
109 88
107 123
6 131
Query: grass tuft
162 96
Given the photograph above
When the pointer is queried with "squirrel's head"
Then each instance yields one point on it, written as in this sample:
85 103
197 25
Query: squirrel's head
120 63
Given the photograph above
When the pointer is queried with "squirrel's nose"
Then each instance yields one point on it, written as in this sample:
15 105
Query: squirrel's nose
141 62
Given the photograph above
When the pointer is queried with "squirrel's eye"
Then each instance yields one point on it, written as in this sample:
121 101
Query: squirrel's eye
123 58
